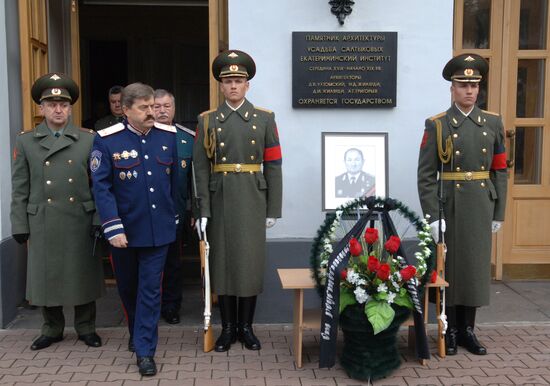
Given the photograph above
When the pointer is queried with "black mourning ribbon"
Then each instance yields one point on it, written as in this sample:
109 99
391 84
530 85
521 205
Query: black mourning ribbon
331 300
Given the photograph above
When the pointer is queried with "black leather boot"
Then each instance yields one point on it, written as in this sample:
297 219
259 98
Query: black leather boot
228 311
466 336
452 332
246 317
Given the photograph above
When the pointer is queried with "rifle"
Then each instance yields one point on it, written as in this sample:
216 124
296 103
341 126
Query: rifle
440 269
204 248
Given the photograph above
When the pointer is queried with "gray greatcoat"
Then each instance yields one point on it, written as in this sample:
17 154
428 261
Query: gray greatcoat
470 206
52 201
237 204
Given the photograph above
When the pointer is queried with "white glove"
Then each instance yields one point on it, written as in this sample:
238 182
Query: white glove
495 226
434 226
269 222
201 224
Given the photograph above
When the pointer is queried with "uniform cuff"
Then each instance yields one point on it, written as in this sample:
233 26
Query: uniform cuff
112 228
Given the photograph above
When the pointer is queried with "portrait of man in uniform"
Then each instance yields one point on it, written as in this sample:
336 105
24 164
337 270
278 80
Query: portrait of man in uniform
354 182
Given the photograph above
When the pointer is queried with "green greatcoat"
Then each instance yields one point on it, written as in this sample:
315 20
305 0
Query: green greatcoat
237 204
52 201
470 206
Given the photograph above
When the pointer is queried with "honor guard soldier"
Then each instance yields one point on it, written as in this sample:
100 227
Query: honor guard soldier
134 174
172 281
52 207
354 182
237 161
465 147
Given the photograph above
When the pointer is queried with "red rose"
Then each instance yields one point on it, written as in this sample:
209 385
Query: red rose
433 276
371 235
344 274
373 264
408 272
392 245
355 247
384 271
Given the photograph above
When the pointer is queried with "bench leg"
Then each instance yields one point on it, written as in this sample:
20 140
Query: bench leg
298 320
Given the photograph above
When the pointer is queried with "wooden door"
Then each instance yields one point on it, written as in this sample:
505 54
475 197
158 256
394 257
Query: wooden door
513 36
218 41
75 61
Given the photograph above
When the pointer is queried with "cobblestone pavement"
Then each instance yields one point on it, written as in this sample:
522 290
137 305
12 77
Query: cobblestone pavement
519 354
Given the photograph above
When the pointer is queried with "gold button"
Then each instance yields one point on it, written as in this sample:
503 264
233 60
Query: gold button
48 182
47 163
253 127
484 133
71 199
457 152
253 142
219 129
252 157
70 180
483 168
484 150
224 159
458 168
49 200
222 144
70 161
458 185
455 135
251 172
224 173
483 184
255 114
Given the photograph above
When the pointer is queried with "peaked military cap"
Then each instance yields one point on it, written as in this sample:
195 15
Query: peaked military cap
466 68
54 86
233 63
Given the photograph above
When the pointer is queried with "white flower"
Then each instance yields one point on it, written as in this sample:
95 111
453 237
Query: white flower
361 282
391 297
382 288
353 276
328 248
361 295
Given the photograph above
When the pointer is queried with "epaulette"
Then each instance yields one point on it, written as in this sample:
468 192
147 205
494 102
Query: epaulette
491 113
262 109
111 130
206 112
438 116
86 130
25 132
183 128
164 127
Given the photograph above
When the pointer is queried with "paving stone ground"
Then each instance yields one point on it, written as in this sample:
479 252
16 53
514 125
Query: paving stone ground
519 354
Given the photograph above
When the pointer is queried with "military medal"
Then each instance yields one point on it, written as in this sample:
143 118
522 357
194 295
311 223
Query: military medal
164 148
167 170
129 174
183 164
125 154
133 153
116 156
134 173
122 175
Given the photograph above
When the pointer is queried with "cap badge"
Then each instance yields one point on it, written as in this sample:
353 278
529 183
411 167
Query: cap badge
233 55
55 77
469 59
56 91
233 68
468 72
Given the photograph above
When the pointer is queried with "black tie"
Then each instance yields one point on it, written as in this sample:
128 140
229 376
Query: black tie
57 135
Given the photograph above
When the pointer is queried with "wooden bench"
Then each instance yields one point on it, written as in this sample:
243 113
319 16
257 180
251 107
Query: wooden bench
299 279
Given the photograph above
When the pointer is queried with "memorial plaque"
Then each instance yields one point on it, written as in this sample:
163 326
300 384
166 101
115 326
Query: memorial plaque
344 69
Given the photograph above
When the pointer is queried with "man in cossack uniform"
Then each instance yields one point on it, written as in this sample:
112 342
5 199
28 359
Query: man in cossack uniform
466 145
237 158
134 174
52 207
172 282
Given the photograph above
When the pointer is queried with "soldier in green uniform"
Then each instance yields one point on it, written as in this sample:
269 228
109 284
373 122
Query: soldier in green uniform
237 162
115 105
52 207
465 147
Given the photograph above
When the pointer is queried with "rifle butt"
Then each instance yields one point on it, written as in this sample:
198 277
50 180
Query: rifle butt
209 341
441 342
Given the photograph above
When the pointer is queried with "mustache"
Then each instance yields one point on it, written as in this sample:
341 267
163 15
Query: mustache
148 117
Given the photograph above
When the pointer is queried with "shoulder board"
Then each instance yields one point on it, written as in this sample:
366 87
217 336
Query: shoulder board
438 116
25 132
183 128
206 112
491 113
87 130
262 109
111 130
164 127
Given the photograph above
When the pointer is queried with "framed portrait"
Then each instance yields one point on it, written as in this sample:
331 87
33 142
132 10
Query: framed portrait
353 165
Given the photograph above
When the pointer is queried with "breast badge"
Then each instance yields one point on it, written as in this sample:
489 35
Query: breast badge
133 153
183 164
125 154
122 175
116 156
167 170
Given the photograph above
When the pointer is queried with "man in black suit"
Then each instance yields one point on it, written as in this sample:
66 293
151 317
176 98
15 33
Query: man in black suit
355 182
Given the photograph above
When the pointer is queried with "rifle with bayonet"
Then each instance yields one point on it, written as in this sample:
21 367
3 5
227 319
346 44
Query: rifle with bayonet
440 269
204 248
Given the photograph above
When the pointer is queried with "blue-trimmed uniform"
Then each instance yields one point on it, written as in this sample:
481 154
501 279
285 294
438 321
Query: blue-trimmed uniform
172 283
134 185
